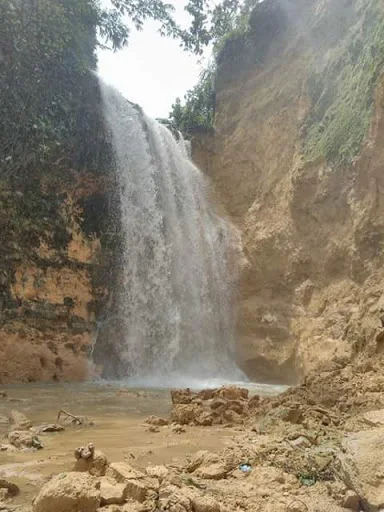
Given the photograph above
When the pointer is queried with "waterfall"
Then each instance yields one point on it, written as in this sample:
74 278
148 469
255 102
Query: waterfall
175 297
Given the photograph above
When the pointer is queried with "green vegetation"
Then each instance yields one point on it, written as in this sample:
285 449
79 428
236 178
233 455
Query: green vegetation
217 26
342 93
198 111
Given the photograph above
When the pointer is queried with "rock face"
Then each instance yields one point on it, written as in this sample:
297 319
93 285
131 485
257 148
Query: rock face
55 275
299 173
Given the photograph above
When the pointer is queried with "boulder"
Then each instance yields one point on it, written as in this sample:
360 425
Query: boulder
181 396
19 421
254 402
111 493
362 467
69 492
186 414
174 499
156 421
95 465
24 439
138 486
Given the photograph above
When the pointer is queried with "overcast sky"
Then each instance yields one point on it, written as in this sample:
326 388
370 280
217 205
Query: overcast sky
153 71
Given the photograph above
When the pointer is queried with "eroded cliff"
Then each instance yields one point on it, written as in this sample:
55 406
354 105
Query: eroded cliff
297 160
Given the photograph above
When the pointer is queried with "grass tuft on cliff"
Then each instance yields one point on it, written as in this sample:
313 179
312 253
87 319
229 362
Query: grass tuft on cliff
342 91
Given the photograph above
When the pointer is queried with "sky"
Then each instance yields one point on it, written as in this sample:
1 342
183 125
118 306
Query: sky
153 70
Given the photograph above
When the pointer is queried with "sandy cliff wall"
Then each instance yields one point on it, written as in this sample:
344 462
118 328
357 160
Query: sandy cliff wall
55 272
297 158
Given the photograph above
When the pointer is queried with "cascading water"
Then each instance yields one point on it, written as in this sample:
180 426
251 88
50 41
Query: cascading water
175 297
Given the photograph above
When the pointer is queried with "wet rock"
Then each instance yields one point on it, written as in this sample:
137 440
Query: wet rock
157 421
19 421
49 427
111 493
159 472
232 393
11 489
96 465
186 414
24 439
69 492
205 504
181 396
362 467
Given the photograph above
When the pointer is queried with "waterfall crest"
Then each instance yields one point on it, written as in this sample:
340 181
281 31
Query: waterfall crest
175 297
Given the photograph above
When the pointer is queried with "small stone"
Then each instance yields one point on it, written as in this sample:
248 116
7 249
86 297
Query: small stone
232 393
374 418
301 442
153 429
178 429
49 427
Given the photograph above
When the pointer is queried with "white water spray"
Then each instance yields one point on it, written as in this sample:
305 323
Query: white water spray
175 297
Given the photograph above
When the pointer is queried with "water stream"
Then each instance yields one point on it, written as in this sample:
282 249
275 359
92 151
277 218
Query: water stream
175 295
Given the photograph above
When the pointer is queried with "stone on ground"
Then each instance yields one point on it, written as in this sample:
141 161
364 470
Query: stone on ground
156 421
208 465
96 465
205 504
69 492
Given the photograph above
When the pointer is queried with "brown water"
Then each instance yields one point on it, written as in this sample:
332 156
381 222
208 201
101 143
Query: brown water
119 430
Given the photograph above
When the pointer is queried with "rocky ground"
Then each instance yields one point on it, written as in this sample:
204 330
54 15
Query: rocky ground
318 447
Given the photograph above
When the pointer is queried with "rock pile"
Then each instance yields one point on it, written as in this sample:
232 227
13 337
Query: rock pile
227 405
